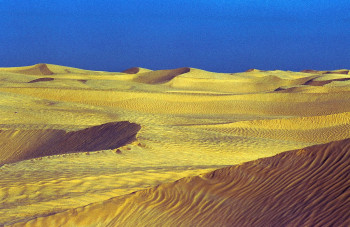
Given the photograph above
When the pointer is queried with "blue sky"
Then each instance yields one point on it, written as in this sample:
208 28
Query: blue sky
215 35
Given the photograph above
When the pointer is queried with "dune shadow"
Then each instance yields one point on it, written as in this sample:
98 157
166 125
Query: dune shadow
18 145
41 80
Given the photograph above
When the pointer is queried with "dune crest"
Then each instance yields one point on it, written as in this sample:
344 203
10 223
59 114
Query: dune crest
136 70
324 82
306 187
160 76
310 71
339 71
254 70
38 69
132 70
18 145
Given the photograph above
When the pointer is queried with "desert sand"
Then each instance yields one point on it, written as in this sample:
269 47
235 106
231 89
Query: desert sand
174 147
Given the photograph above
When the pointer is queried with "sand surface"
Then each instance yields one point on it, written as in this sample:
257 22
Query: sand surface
75 144
307 187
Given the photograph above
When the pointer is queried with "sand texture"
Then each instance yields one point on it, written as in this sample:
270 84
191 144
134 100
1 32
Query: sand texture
307 187
174 147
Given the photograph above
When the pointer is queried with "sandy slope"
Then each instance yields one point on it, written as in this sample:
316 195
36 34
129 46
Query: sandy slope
28 144
307 187
192 122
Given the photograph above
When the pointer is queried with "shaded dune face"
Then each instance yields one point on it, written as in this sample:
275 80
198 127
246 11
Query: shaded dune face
254 70
41 80
18 145
38 69
309 81
338 72
310 71
306 187
160 76
132 70
325 72
324 82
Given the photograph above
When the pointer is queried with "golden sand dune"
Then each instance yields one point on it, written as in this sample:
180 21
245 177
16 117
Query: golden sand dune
160 76
135 70
237 83
18 145
287 104
315 129
307 187
318 82
192 122
39 69
49 69
339 71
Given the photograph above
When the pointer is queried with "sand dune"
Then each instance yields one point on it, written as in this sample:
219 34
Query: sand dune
254 70
136 70
38 69
324 82
311 71
237 83
327 83
282 104
185 122
307 187
339 71
132 70
315 129
160 76
18 145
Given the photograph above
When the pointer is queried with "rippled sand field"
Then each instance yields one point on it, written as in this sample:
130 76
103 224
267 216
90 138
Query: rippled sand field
181 147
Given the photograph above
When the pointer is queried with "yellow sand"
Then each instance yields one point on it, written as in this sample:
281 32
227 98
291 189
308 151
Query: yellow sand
192 122
304 187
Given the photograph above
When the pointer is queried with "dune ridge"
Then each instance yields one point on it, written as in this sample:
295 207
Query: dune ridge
306 187
314 129
136 70
18 145
132 70
160 76
324 82
38 69
339 71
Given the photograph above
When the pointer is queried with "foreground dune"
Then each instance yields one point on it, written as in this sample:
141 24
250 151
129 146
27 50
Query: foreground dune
307 187
73 137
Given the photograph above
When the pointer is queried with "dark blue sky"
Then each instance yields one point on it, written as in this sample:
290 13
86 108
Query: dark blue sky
215 35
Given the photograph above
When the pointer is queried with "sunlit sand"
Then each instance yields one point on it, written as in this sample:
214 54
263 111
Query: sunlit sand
173 147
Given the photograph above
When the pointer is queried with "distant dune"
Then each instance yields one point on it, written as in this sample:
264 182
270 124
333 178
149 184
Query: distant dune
314 129
254 70
160 76
324 82
136 70
39 69
18 145
310 71
132 70
340 71
306 187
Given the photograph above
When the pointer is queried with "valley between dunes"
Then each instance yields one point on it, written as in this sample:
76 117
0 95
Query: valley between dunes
178 147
